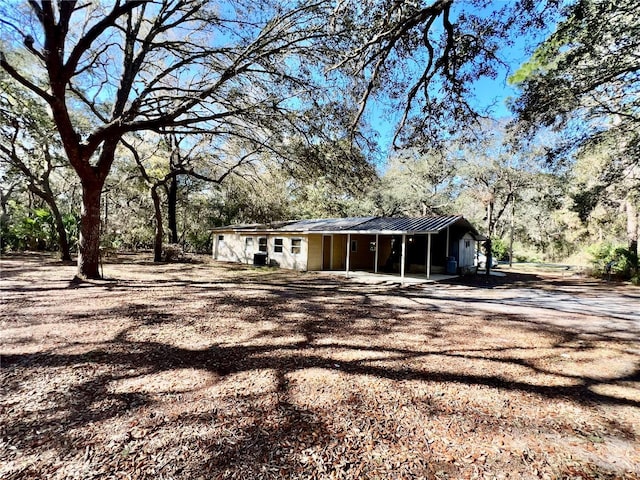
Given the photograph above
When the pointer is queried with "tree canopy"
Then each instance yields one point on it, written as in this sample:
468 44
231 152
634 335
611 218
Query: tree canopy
426 56
584 82
227 69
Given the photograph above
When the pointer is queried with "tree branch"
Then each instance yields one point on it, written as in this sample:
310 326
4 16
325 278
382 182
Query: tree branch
94 32
23 81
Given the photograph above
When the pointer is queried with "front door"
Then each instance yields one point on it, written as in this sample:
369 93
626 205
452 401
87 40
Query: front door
326 252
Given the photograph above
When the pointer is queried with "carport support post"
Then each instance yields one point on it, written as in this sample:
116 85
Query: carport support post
402 257
375 266
429 255
447 250
348 252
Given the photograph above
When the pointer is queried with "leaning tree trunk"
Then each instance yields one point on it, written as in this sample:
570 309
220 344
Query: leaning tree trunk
488 254
89 240
172 204
632 232
157 241
63 241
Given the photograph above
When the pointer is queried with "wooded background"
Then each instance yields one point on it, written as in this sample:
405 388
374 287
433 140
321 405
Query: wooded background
133 125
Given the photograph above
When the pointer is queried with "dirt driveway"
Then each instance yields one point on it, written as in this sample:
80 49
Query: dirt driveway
216 371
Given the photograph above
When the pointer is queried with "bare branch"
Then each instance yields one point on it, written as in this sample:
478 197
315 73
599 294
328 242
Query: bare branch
94 32
24 81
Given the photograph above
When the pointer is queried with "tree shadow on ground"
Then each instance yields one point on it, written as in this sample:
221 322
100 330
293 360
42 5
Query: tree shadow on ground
340 329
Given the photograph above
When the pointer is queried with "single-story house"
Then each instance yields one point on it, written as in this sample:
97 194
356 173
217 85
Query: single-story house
424 245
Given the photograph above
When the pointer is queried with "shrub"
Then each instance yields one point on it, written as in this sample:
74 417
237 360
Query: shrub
172 252
199 242
35 231
612 259
499 249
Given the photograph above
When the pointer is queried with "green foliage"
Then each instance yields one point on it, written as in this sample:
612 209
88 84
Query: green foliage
583 81
417 182
33 230
71 223
139 237
24 228
111 241
523 257
500 249
173 252
8 239
618 258
199 241
585 200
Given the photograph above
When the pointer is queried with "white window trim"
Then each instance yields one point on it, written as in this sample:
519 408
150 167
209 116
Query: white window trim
266 244
275 245
299 246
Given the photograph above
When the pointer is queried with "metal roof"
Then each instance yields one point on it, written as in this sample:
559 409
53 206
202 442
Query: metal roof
326 224
388 225
413 224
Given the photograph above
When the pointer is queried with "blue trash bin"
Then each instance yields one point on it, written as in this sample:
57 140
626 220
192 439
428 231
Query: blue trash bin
452 266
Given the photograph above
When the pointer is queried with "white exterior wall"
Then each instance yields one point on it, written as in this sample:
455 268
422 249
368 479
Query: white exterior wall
466 256
287 259
234 248
230 247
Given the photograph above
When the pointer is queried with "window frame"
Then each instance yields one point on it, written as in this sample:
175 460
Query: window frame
296 249
278 245
263 247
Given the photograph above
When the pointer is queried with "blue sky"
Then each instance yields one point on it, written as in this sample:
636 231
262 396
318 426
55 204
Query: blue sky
490 95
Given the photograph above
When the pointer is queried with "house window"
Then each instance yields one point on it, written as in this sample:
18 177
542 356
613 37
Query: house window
354 245
262 244
277 245
467 243
248 242
296 245
221 238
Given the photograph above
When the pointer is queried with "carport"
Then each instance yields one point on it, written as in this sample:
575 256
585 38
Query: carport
426 245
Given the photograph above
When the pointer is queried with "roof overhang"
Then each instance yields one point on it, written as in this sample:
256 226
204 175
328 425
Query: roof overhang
430 226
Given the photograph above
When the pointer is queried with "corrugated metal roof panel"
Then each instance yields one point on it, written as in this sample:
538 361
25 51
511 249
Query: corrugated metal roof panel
239 226
359 224
416 224
326 224
255 226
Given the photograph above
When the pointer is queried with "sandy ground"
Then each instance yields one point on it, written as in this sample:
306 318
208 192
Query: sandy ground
208 370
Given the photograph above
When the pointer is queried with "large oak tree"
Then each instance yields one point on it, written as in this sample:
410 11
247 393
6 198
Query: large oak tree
188 65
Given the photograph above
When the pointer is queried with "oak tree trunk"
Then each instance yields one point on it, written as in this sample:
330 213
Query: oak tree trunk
157 241
63 241
632 232
172 201
488 255
89 240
